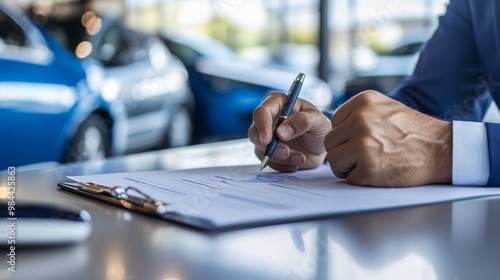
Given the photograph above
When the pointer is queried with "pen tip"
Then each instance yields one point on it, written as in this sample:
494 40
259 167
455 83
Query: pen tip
264 163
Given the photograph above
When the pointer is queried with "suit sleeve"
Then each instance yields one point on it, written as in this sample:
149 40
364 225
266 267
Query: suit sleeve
493 135
448 81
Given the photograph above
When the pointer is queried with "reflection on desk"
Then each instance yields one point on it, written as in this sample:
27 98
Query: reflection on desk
445 241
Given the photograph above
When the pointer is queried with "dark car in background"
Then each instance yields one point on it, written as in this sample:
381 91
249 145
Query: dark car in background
51 106
228 89
139 72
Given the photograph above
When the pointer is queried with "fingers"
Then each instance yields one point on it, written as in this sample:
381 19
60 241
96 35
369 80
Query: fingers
355 104
261 130
310 120
338 135
349 162
284 158
343 112
254 137
343 159
305 118
301 134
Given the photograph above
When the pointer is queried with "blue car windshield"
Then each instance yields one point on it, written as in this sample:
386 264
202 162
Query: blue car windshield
10 32
69 32
205 46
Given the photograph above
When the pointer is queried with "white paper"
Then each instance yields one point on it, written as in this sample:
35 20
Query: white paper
241 195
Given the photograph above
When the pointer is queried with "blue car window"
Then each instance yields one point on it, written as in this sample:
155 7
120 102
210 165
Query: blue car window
187 55
10 32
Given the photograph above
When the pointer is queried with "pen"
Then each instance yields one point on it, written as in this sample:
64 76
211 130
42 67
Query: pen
292 96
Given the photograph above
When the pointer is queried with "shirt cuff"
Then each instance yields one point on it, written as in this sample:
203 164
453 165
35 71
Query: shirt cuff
471 164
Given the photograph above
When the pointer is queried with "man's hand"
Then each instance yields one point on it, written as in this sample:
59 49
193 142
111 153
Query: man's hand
376 141
302 134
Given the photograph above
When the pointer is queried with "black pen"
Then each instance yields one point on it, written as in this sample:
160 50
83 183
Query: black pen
292 96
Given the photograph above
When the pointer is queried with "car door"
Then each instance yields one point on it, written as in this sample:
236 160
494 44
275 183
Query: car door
139 86
35 97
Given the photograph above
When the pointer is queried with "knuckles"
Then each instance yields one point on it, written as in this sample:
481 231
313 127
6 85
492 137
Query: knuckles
252 132
367 97
360 120
301 119
258 111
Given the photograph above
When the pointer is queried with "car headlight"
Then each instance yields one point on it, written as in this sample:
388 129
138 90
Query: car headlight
158 56
95 77
110 89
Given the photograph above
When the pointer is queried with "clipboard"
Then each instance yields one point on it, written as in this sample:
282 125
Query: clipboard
138 202
234 197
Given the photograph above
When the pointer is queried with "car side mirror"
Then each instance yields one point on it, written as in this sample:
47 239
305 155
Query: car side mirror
106 53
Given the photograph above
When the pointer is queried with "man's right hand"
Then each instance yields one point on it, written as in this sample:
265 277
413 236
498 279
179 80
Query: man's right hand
301 135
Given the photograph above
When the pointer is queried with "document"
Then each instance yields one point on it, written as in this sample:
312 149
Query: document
221 197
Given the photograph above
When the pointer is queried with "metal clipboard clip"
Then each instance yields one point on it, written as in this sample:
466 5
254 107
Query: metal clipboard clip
130 197
136 200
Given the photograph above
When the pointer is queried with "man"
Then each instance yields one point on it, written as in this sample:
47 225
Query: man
377 141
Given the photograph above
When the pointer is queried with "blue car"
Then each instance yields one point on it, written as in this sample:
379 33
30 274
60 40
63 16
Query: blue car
227 89
139 72
51 107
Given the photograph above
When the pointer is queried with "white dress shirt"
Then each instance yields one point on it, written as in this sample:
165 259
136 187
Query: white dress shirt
471 164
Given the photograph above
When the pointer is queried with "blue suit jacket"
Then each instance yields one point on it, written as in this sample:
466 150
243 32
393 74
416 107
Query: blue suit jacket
458 73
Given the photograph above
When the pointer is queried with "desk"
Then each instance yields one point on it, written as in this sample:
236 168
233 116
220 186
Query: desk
459 240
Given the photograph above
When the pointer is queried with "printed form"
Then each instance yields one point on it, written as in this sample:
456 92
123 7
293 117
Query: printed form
220 197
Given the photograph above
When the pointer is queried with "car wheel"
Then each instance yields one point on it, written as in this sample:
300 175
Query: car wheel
90 142
180 132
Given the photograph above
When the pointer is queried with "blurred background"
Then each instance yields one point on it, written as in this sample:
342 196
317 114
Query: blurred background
89 79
